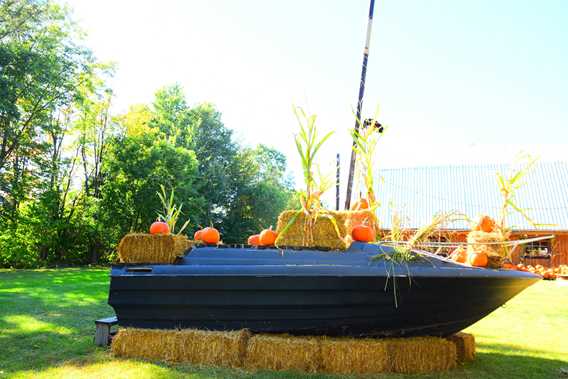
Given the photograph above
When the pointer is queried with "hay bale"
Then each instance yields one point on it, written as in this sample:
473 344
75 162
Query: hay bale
354 356
465 346
149 248
282 352
421 354
480 241
329 230
193 346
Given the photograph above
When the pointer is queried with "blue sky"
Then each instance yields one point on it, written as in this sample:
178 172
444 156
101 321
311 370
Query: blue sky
458 82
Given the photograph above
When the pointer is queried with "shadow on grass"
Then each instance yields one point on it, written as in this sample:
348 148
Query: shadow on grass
46 316
519 365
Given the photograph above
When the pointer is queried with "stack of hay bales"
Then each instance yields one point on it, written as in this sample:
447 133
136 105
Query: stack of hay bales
489 243
331 230
305 354
152 248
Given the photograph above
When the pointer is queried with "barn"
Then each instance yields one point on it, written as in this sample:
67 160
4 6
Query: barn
417 194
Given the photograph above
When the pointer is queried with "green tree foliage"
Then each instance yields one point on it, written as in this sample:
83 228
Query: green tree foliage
135 168
74 178
262 191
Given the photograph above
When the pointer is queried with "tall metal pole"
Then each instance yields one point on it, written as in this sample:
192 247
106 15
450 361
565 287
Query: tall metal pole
337 179
360 103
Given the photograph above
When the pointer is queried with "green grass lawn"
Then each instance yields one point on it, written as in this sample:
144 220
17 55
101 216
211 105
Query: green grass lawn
47 329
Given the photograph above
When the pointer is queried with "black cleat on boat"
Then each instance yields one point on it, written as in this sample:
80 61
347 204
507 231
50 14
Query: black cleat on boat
311 292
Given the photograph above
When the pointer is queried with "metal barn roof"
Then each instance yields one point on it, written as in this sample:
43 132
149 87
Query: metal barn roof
417 194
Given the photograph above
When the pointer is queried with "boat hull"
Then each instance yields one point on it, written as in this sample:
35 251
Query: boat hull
294 292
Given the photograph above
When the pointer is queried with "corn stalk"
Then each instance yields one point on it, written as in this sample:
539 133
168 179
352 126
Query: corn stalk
308 144
365 144
170 211
508 186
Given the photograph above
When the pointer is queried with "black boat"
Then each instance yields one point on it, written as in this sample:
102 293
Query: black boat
310 292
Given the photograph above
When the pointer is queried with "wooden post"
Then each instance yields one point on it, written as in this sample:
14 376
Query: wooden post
102 331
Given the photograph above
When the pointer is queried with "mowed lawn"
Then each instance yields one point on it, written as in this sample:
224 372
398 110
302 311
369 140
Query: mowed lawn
47 329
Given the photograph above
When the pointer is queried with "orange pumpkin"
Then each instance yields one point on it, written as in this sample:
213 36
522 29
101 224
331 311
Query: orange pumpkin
478 259
459 255
197 235
360 204
267 237
363 233
254 240
159 227
486 224
210 236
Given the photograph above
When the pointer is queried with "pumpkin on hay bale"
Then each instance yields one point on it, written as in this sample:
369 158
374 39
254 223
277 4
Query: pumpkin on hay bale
193 346
152 248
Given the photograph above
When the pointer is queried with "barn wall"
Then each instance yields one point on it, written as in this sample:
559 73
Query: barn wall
559 250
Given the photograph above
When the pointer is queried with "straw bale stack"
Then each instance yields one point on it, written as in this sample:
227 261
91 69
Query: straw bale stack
480 241
465 346
150 248
305 354
283 352
226 349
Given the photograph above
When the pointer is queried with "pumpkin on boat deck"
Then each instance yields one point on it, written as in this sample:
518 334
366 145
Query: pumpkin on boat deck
459 255
254 240
363 233
478 259
267 237
197 235
210 236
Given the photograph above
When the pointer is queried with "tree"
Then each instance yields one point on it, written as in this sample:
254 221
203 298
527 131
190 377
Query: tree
262 191
134 170
40 66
